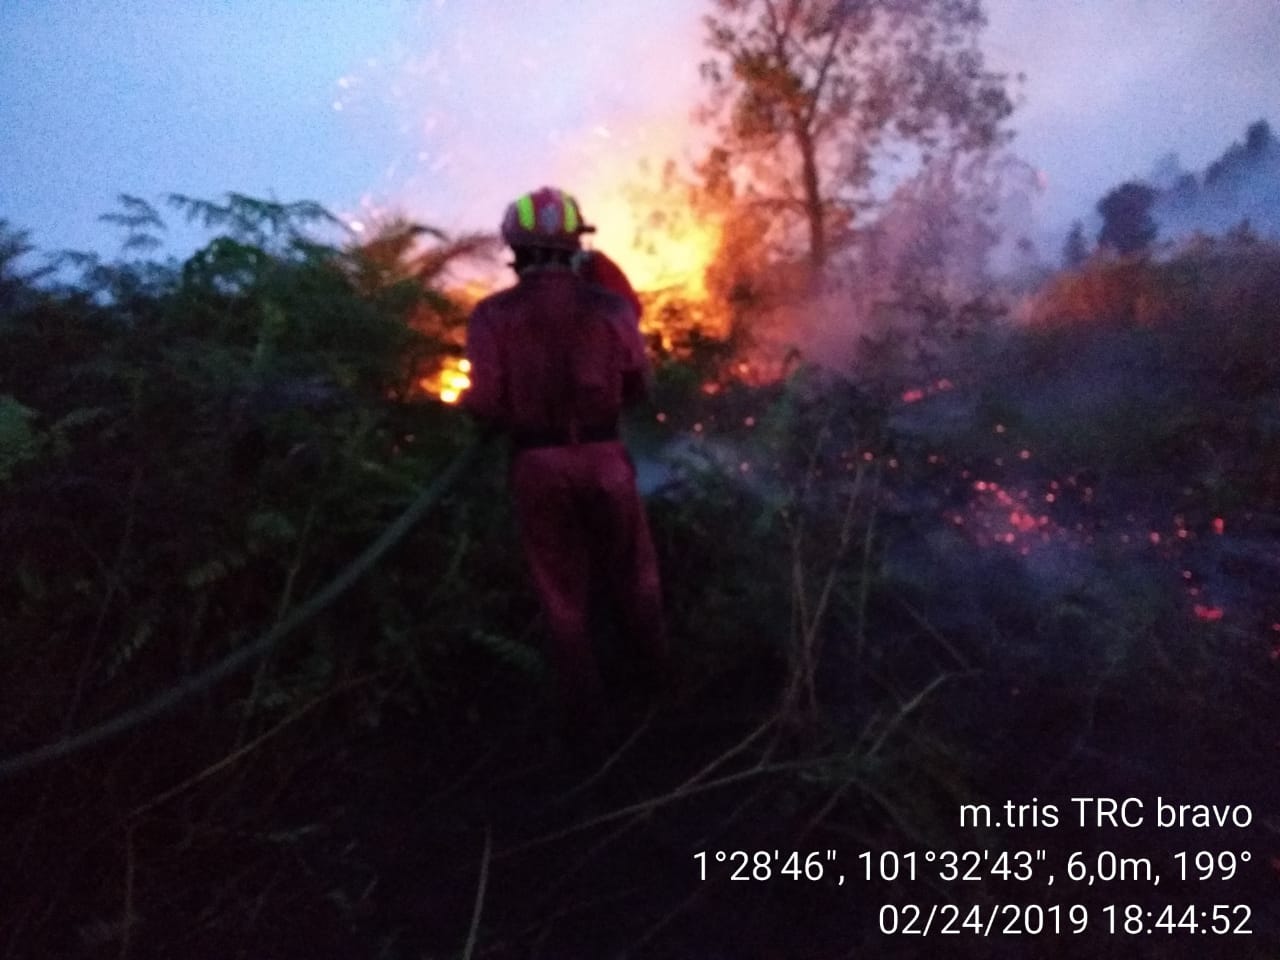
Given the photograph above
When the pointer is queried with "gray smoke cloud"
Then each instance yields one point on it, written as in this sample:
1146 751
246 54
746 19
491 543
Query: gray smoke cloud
1242 185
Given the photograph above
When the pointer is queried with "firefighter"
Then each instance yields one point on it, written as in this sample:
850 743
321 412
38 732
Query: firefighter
554 359
596 267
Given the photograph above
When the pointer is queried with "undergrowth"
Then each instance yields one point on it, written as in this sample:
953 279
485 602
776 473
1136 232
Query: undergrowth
189 451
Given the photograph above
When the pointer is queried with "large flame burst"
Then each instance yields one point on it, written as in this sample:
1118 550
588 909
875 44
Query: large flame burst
659 249
667 242
666 246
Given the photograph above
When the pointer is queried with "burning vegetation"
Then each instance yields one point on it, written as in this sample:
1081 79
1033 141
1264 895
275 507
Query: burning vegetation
1012 560
922 541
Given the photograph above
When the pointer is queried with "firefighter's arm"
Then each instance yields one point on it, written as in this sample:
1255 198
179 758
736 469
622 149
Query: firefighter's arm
601 269
486 398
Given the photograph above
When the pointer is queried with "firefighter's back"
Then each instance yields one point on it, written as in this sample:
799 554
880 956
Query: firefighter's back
568 351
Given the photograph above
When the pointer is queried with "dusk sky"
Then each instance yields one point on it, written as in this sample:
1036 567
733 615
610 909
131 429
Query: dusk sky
447 109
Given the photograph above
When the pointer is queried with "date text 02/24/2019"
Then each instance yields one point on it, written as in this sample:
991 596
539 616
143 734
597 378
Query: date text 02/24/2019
1020 920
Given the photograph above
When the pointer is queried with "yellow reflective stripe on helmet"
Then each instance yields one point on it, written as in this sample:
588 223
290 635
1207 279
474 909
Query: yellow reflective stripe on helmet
570 208
524 208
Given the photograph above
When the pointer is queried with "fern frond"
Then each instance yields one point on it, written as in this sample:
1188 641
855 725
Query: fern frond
135 214
524 658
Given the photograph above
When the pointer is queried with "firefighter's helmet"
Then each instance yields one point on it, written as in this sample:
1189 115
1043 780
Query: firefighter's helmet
547 217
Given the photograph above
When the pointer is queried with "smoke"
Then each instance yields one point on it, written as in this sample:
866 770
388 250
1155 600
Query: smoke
919 273
1243 185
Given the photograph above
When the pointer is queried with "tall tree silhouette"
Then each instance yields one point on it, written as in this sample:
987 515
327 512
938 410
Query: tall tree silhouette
1075 251
1127 224
812 95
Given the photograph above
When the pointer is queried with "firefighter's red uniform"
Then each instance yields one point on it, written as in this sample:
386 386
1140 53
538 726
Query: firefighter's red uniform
600 269
554 360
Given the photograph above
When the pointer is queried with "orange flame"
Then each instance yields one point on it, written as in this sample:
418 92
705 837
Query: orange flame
660 249
450 382
667 236
664 246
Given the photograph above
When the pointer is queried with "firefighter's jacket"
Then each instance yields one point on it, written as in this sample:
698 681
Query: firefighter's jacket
554 355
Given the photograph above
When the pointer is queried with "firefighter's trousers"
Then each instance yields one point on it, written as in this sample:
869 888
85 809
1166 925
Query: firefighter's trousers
583 527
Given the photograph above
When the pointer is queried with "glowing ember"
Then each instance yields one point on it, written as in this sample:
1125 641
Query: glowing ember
1022 521
450 382
916 394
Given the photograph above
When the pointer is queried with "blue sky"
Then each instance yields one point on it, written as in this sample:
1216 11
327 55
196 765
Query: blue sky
446 108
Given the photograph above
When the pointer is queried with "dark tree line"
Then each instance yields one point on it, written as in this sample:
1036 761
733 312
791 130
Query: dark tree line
1238 191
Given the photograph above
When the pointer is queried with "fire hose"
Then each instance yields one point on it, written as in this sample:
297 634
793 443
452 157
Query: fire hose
245 655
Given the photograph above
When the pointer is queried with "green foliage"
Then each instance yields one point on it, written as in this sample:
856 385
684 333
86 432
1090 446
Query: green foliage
518 656
723 567
17 285
189 452
19 444
139 219
207 441
254 222
1168 362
